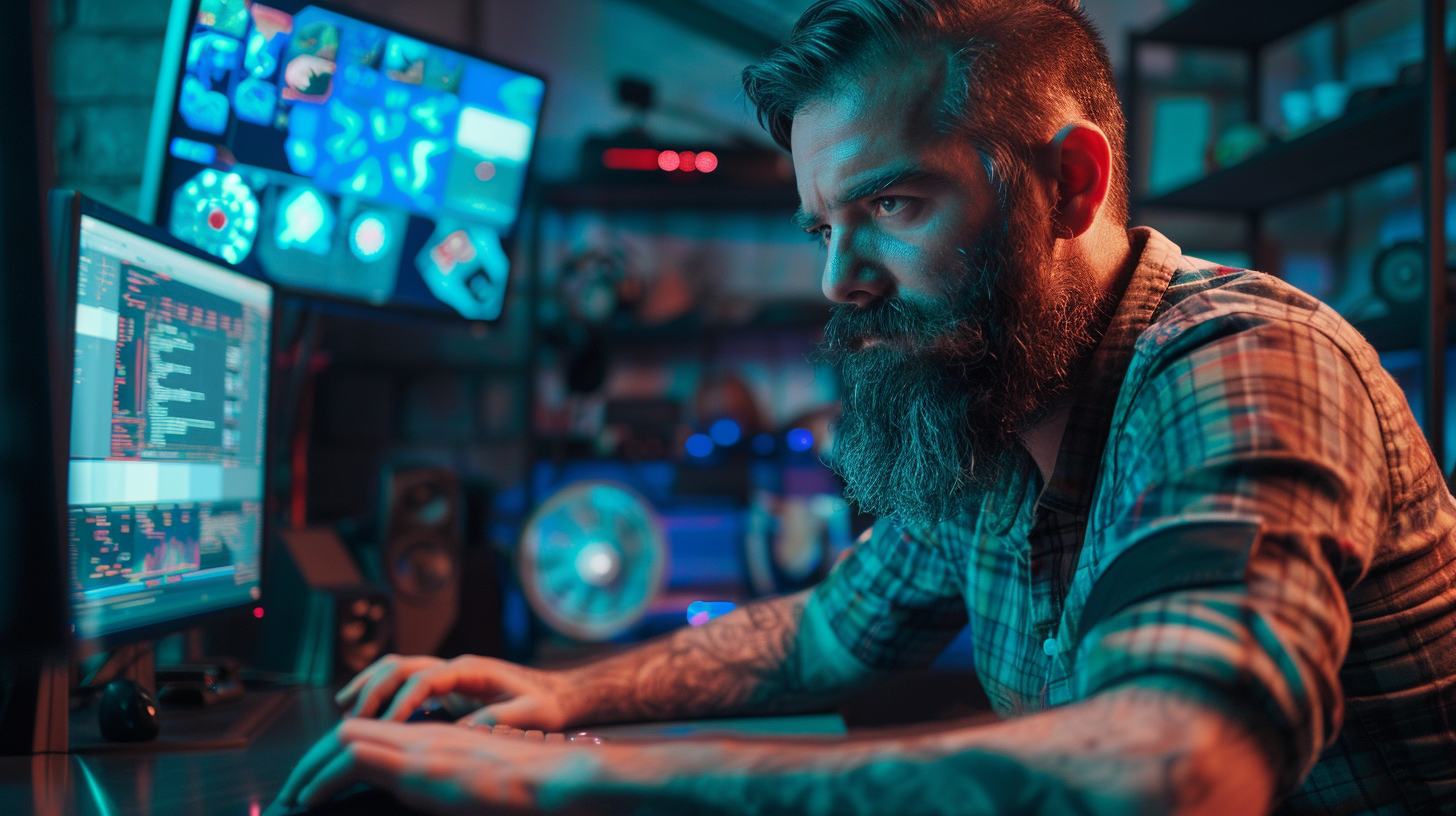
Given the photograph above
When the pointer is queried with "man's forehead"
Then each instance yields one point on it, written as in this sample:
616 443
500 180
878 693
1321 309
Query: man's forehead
879 120
890 100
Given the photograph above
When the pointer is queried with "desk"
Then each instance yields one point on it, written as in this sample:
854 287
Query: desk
241 782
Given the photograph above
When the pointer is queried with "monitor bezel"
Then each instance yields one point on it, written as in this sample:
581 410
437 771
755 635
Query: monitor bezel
67 280
164 116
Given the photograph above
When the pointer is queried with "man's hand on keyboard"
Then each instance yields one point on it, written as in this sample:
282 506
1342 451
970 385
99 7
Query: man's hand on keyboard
510 694
440 768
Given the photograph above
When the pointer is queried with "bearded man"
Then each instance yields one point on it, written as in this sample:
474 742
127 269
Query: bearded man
1205 554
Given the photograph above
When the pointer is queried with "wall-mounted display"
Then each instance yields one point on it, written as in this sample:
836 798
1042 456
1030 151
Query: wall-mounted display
335 156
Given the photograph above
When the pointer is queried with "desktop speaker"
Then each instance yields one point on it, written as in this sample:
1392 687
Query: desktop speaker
325 622
421 555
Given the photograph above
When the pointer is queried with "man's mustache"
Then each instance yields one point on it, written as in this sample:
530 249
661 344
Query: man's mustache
926 330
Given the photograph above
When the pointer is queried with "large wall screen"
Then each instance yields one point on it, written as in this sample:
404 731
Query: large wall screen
336 156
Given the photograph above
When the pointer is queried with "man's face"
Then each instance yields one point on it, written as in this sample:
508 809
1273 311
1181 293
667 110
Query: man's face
955 328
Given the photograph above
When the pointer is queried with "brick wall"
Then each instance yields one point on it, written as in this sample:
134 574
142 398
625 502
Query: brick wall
105 55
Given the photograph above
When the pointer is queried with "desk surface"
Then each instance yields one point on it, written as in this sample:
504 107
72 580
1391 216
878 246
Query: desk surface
241 782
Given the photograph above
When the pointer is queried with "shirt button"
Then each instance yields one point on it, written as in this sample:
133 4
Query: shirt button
1051 647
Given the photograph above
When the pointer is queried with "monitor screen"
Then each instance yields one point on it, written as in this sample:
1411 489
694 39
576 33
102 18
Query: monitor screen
168 416
336 156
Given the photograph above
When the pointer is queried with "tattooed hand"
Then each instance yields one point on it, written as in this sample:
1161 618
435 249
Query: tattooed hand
516 695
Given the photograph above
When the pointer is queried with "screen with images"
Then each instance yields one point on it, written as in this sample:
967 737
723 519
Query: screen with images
336 156
168 417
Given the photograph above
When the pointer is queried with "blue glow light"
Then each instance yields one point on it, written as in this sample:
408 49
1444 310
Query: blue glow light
725 432
763 444
700 612
699 445
800 440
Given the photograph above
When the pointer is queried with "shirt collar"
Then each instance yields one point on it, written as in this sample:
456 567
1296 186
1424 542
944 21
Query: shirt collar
1079 456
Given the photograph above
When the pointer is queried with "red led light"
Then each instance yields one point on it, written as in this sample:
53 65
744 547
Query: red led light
627 158
217 219
257 611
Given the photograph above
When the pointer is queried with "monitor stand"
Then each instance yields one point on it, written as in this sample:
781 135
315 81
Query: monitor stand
198 719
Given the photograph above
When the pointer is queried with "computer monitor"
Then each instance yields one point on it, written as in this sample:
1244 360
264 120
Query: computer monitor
341 157
168 410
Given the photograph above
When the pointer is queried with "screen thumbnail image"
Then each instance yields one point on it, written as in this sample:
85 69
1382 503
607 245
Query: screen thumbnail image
310 61
465 266
321 242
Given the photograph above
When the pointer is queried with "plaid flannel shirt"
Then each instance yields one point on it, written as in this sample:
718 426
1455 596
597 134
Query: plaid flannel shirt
1244 496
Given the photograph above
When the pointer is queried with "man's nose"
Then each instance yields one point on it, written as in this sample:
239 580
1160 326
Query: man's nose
851 277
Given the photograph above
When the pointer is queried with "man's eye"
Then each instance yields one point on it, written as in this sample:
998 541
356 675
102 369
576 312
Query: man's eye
889 205
820 236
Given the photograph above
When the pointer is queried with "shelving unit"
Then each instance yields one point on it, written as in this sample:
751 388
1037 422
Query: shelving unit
699 197
1362 142
1408 124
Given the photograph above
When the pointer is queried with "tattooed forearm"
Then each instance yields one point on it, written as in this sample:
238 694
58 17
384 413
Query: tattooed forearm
1134 750
747 661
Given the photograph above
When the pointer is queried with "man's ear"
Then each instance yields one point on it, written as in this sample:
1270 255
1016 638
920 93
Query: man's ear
1084 167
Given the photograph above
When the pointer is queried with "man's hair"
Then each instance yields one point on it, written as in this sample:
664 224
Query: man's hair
1013 66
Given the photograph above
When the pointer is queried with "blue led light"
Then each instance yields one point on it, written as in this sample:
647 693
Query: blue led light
699 445
763 444
725 432
800 440
700 612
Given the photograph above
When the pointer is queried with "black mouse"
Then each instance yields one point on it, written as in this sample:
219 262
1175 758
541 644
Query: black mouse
128 712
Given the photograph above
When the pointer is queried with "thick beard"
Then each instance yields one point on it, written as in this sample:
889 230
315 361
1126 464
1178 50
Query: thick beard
933 405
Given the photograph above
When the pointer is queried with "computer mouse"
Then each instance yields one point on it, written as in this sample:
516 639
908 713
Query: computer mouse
128 712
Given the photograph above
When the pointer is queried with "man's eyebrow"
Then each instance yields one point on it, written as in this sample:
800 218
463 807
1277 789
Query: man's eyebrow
883 180
877 183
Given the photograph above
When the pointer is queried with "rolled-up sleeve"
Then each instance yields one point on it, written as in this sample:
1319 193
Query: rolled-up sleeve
896 600
1248 486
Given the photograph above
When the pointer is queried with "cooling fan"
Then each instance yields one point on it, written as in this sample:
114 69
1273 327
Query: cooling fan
592 559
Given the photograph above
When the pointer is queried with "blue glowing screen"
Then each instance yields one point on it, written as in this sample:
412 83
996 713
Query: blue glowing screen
336 156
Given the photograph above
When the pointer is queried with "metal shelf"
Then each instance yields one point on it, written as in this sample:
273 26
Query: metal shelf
1377 137
1245 24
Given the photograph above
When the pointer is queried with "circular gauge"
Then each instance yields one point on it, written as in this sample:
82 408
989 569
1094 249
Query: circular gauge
1400 273
217 213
